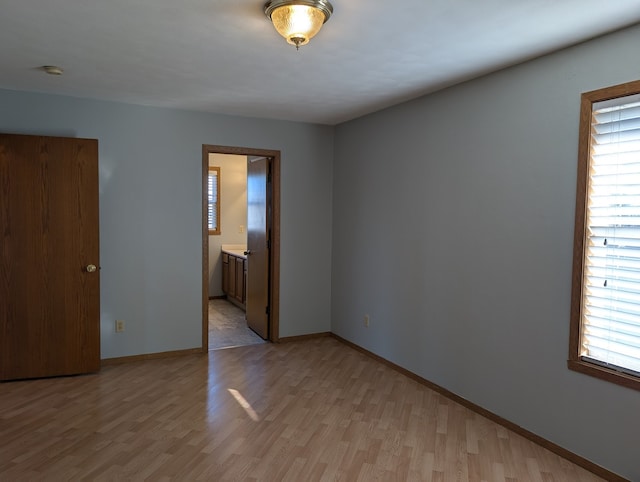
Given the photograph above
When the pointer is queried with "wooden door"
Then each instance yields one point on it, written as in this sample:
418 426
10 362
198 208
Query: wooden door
231 292
239 267
49 257
257 298
225 273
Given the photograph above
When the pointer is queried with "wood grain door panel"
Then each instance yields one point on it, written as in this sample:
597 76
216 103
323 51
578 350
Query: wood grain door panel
257 297
49 302
239 267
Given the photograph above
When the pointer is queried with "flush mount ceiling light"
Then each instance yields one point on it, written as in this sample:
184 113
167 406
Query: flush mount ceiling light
298 20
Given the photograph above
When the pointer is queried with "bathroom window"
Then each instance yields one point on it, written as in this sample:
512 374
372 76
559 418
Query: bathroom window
213 200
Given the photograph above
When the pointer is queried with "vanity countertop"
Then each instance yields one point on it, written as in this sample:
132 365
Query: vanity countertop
235 250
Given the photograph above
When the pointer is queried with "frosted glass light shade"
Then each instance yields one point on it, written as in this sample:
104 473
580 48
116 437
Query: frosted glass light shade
298 21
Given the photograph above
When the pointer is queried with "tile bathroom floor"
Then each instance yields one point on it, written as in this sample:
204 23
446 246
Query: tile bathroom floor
228 326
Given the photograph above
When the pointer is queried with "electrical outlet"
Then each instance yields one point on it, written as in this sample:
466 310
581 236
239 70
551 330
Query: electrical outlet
366 321
119 326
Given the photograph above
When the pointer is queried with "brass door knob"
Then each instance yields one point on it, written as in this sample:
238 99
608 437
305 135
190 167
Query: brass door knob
91 268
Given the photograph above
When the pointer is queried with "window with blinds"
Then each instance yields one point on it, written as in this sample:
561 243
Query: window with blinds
213 200
607 302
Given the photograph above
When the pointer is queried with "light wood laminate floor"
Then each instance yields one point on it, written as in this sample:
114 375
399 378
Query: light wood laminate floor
301 411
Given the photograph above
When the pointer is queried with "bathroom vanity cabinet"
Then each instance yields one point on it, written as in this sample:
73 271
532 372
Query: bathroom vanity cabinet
234 276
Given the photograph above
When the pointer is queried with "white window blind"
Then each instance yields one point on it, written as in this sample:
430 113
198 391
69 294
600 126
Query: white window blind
611 296
212 188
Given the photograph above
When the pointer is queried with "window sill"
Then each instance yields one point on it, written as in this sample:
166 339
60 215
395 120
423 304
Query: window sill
604 374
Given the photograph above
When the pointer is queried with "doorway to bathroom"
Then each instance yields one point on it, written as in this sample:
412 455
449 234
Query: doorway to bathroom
241 259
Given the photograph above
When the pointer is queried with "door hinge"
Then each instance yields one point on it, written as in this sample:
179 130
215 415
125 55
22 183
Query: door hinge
266 310
268 244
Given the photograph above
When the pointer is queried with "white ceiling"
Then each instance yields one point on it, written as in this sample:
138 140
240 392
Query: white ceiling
224 56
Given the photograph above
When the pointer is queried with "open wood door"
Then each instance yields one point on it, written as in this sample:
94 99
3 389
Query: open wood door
263 171
258 244
49 257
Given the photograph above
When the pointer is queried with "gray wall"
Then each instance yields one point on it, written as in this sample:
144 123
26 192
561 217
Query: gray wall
233 213
453 229
150 212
